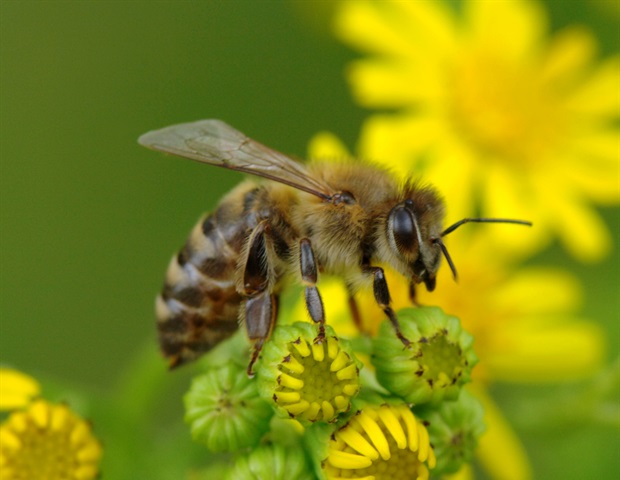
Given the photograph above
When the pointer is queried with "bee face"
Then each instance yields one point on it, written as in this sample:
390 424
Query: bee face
412 231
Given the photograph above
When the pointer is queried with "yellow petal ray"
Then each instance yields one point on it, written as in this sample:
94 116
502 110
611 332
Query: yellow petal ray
318 352
508 196
348 461
367 26
598 180
328 410
339 362
302 347
424 446
290 382
341 402
413 437
556 291
357 442
288 397
449 164
16 389
332 348
392 423
298 408
535 351
347 373
381 83
40 412
375 434
327 146
499 450
599 95
396 141
569 51
293 365
581 230
433 21
490 22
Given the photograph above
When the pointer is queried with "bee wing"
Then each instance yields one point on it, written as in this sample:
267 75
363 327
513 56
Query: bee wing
217 143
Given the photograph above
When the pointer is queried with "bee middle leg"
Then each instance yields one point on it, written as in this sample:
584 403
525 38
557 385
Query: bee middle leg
382 297
309 277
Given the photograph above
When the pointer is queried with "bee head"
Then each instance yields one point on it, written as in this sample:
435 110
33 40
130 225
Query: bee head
414 237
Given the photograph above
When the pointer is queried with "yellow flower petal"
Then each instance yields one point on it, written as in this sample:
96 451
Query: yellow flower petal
508 196
383 137
600 94
556 291
386 83
539 351
16 389
568 53
366 25
490 22
327 146
499 449
582 230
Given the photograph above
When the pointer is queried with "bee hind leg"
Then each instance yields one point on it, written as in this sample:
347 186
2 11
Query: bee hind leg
261 305
309 277
260 317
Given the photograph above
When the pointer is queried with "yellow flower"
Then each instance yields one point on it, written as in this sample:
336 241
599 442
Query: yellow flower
16 389
307 381
47 442
381 443
492 108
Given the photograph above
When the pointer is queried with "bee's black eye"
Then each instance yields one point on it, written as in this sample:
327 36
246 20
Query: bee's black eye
403 229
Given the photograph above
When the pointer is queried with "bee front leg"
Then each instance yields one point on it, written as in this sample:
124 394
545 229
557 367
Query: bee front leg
261 306
309 277
382 296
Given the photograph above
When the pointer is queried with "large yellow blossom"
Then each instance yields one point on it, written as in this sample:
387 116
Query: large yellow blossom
502 118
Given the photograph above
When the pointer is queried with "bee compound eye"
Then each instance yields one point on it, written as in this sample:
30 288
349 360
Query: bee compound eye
402 229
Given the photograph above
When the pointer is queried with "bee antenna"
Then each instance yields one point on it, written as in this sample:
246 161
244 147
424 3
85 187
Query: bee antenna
444 250
453 227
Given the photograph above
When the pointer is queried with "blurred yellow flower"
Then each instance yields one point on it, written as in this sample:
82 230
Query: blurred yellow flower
16 389
501 118
47 442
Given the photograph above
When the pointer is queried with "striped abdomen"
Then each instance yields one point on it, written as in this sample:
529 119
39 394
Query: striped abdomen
199 304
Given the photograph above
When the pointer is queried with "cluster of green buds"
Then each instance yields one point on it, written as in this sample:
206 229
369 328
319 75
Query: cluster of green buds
315 411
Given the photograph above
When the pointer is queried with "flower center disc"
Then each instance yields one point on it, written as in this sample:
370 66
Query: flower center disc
317 381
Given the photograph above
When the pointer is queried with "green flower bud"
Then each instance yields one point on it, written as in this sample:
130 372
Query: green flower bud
224 410
454 429
304 380
272 462
436 363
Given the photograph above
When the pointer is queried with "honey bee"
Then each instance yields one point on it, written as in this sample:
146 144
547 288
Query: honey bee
301 219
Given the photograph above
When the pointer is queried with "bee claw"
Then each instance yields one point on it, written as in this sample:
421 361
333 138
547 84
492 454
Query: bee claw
320 338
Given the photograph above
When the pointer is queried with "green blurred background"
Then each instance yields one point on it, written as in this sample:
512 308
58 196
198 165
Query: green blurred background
89 219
